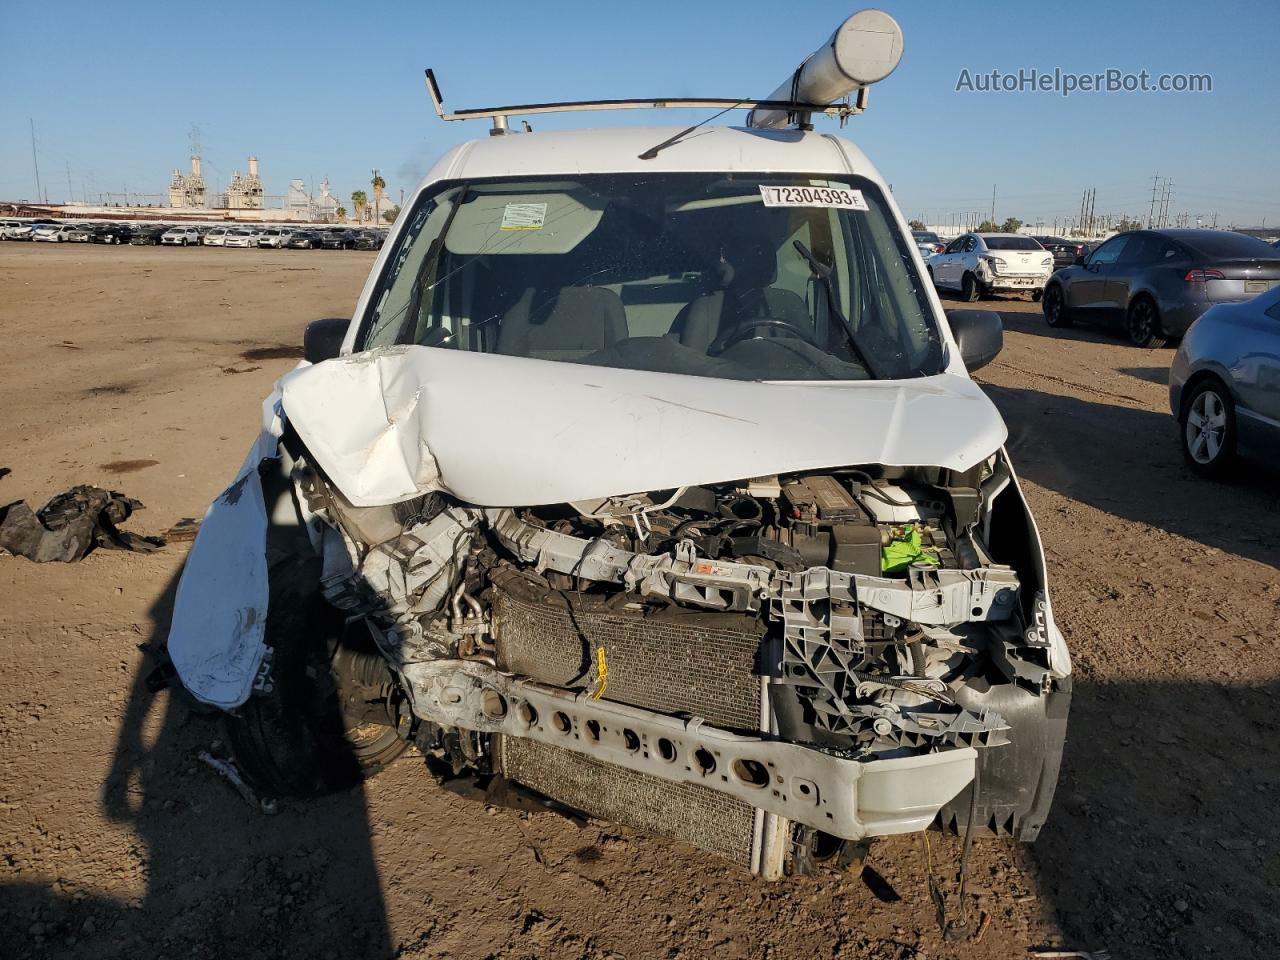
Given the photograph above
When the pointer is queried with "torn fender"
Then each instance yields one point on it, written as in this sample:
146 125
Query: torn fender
216 639
496 431
220 612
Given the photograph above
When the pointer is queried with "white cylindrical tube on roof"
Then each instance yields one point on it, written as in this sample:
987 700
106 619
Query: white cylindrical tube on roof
864 49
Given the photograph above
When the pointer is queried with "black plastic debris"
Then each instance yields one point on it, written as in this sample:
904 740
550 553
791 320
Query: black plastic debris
71 525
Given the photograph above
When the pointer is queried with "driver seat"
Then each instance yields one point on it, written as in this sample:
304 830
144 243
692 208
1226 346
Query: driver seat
748 271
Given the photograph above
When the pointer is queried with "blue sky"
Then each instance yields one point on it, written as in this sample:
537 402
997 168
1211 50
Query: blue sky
316 89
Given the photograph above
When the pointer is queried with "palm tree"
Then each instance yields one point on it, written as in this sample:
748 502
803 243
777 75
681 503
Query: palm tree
341 213
378 185
358 200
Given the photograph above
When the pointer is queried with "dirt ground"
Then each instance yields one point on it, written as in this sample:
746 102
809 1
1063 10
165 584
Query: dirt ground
143 370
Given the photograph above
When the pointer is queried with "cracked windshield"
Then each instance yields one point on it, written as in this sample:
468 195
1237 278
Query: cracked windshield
734 277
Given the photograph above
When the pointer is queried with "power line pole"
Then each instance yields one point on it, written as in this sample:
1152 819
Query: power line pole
1152 212
71 194
35 160
993 203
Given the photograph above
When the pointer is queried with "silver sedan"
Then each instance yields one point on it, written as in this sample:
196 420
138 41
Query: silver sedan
1224 384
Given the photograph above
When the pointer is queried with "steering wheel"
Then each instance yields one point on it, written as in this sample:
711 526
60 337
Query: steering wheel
745 331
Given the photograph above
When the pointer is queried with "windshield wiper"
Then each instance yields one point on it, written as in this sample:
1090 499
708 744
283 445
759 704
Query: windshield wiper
823 273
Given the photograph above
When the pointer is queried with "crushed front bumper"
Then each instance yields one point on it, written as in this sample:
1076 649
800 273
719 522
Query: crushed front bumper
840 794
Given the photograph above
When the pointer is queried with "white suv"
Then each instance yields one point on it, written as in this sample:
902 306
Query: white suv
275 237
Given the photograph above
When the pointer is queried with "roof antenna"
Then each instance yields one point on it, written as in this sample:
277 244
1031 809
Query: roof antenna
659 147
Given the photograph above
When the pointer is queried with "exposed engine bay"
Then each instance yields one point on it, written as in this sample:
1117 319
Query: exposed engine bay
765 667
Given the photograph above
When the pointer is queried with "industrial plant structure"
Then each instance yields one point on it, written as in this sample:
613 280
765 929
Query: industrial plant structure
245 193
187 191
190 197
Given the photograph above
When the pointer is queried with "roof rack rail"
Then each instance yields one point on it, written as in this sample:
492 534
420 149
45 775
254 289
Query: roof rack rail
833 81
501 115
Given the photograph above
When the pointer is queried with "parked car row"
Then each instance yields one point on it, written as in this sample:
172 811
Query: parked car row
279 238
1216 290
191 235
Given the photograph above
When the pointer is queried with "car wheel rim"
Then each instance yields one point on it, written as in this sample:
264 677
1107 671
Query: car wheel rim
1140 323
1206 427
1053 304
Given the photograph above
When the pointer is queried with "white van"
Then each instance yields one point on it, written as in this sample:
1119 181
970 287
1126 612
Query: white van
648 476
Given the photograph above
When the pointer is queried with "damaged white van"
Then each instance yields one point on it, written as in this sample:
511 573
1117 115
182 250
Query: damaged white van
647 480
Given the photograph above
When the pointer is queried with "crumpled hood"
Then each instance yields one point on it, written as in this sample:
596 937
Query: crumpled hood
391 423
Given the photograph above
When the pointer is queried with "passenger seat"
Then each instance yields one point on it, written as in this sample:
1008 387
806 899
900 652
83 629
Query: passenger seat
568 325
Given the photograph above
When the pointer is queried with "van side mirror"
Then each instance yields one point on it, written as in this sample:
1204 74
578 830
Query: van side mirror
323 338
979 335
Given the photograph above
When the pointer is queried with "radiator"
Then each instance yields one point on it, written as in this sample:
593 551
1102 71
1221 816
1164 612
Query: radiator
672 662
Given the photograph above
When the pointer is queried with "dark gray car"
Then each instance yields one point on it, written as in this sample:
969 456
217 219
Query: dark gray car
1224 384
1064 251
1155 283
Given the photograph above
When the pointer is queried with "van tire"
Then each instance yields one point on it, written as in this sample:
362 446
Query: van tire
329 714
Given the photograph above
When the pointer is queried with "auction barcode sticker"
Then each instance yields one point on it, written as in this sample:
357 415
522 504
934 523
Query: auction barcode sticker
523 216
843 197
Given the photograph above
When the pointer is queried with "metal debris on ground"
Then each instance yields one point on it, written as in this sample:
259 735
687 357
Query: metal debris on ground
228 770
1070 954
182 531
71 525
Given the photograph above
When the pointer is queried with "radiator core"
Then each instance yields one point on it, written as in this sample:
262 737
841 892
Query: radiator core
672 662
